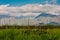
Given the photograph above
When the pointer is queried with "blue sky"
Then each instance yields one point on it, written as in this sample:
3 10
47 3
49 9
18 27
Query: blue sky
23 2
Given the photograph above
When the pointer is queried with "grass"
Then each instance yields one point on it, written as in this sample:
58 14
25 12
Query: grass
47 32
30 34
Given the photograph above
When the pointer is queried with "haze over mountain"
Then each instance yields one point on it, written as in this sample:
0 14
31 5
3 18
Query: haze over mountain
29 10
47 18
45 11
46 15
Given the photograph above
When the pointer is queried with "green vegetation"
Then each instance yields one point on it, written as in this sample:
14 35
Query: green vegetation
29 27
30 34
47 32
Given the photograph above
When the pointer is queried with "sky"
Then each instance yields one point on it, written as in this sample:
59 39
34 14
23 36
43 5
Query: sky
27 7
24 2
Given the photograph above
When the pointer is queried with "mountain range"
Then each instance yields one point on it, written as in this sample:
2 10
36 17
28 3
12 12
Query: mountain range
48 18
4 16
43 14
44 17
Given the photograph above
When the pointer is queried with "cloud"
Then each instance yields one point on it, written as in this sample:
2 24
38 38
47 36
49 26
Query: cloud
29 9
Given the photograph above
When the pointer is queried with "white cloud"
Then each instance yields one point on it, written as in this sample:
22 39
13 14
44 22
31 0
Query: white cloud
29 9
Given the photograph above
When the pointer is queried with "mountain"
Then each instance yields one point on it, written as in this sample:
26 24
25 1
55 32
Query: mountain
53 23
24 17
48 18
4 16
43 14
7 16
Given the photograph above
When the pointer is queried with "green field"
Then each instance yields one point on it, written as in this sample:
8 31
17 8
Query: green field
15 32
30 34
